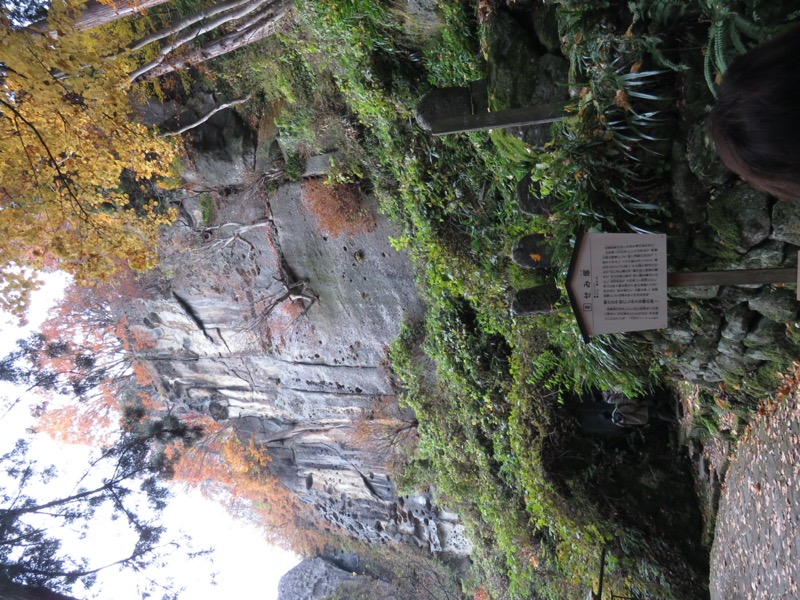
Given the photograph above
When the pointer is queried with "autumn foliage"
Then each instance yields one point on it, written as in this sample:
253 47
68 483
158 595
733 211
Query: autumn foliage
336 207
386 431
104 365
67 135
99 361
227 468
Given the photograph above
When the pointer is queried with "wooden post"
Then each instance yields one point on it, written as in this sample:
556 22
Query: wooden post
737 277
461 109
602 574
512 117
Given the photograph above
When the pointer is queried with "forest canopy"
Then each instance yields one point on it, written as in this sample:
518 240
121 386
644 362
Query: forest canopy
67 144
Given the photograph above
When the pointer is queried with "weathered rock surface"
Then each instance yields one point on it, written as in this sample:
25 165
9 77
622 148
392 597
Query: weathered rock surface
293 379
313 578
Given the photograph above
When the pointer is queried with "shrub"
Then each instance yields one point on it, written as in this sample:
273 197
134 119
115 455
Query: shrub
337 207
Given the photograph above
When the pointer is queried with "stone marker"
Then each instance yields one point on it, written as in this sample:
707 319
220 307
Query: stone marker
536 300
530 200
531 252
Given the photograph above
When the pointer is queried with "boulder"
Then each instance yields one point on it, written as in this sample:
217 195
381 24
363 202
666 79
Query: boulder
777 304
319 165
786 222
741 217
313 579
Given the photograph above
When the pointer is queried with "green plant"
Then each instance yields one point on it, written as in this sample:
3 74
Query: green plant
293 167
729 29
206 208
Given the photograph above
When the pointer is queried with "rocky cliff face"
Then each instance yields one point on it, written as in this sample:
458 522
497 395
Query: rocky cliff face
270 325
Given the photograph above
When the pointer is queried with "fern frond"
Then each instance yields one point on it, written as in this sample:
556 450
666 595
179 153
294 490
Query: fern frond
719 55
708 71
736 38
751 30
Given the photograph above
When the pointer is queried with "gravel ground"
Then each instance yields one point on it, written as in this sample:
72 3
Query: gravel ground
756 551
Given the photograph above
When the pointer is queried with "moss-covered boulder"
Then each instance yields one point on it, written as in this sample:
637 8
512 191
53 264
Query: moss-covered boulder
777 304
786 222
703 161
740 217
518 74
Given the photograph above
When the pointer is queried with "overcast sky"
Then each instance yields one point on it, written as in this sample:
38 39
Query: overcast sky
244 565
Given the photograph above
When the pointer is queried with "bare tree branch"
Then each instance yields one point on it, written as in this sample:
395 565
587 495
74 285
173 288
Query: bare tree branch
206 117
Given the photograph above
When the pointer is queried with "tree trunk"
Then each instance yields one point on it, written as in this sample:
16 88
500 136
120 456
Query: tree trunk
239 12
257 22
262 25
96 14
16 591
174 28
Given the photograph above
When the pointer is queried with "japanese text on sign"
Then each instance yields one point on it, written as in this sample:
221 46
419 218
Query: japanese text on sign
618 282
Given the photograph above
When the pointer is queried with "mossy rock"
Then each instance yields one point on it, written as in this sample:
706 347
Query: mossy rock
740 217
419 20
762 382
518 74
769 255
702 158
737 323
701 292
732 295
786 222
681 337
688 193
777 304
710 244
706 323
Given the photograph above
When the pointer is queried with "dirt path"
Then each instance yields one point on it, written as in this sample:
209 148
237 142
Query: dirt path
756 551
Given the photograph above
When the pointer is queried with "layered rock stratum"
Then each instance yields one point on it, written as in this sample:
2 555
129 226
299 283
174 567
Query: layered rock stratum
268 324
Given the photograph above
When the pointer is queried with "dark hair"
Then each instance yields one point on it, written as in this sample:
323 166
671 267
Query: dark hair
755 122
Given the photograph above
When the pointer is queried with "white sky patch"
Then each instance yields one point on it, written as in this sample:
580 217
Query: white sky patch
243 564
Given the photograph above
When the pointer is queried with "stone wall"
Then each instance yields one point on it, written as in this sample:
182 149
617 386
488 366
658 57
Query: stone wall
739 336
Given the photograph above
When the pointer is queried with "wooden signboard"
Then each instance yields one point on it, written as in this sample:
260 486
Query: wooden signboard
618 282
